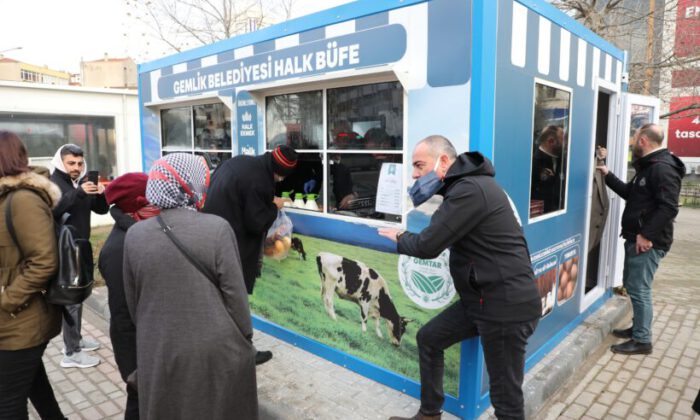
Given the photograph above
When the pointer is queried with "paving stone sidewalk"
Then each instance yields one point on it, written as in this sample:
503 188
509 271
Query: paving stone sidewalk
664 384
293 385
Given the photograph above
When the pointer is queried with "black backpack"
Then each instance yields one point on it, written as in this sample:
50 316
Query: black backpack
73 281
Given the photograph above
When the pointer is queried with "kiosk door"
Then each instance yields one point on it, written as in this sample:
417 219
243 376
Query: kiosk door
637 110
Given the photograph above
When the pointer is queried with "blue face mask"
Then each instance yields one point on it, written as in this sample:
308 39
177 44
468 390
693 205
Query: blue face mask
425 187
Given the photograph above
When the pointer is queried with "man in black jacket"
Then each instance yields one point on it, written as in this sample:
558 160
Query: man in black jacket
647 227
242 191
490 266
79 197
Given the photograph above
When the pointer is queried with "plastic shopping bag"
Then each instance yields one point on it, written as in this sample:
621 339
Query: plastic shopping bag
279 237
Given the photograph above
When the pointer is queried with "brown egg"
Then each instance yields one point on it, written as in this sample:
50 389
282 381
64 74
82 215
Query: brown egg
570 290
279 247
287 242
574 273
564 279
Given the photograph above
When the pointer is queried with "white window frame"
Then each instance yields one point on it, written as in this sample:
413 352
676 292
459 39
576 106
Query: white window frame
260 96
570 91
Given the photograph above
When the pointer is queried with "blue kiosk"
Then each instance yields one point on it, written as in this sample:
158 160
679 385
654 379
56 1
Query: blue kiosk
353 89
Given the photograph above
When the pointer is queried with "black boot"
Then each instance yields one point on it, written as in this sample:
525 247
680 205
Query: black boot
262 357
631 347
626 333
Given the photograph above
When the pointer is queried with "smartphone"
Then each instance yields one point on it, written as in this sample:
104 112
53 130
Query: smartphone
93 176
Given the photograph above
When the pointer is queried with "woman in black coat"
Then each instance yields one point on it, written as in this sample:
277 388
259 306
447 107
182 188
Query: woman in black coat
128 196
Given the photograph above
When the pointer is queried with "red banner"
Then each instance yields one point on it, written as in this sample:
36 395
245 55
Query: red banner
688 28
684 127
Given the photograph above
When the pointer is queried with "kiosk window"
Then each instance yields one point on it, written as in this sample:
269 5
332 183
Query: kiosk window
201 129
549 150
295 119
364 126
367 117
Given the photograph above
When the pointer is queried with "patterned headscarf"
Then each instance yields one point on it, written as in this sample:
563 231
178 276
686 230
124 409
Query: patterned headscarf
178 180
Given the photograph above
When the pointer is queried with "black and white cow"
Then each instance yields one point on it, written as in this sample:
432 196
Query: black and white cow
354 281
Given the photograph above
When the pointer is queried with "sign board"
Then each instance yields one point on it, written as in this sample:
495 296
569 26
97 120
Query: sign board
247 124
687 28
390 189
684 128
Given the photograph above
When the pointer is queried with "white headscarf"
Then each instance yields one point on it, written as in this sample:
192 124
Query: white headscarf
57 163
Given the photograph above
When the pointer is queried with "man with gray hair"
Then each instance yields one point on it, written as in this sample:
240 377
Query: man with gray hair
647 227
490 266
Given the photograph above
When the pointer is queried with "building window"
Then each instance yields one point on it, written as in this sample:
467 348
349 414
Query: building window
44 134
550 150
360 129
203 130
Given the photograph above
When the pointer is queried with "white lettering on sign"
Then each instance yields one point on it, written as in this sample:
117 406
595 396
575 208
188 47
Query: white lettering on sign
687 134
330 58
692 12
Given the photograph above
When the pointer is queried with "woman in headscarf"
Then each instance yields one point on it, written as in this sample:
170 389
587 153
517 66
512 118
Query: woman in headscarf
127 195
194 352
27 261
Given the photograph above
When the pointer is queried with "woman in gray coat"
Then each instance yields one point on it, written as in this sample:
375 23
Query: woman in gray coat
194 353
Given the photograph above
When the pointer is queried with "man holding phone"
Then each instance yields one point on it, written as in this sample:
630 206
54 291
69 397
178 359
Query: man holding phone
80 195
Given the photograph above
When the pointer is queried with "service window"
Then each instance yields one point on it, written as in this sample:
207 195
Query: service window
363 130
203 130
550 155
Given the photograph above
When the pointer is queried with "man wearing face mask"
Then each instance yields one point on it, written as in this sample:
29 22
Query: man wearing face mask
490 266
242 191
647 227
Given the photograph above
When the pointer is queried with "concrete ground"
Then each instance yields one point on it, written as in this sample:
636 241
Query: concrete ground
298 385
664 384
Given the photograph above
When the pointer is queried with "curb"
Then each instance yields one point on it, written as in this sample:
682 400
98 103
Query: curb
557 367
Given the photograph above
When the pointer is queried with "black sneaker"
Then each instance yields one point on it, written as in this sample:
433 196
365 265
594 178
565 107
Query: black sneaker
631 347
626 333
262 357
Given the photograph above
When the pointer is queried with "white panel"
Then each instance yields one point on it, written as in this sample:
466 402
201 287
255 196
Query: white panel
618 72
608 68
595 67
179 68
155 75
411 73
581 71
518 44
340 29
243 52
210 61
287 41
564 55
545 44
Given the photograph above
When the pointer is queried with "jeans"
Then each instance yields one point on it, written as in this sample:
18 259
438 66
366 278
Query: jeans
71 333
637 276
504 352
22 377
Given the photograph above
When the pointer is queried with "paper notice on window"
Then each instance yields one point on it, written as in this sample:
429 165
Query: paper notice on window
390 189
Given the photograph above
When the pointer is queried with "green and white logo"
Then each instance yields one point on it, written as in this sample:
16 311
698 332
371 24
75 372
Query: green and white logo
427 282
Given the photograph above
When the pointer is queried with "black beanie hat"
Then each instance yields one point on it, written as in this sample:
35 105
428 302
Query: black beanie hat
284 160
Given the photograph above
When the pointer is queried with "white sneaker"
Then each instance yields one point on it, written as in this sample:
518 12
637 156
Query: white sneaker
85 345
88 345
79 360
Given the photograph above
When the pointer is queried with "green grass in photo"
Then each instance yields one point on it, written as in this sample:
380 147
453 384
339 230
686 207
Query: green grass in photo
289 294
